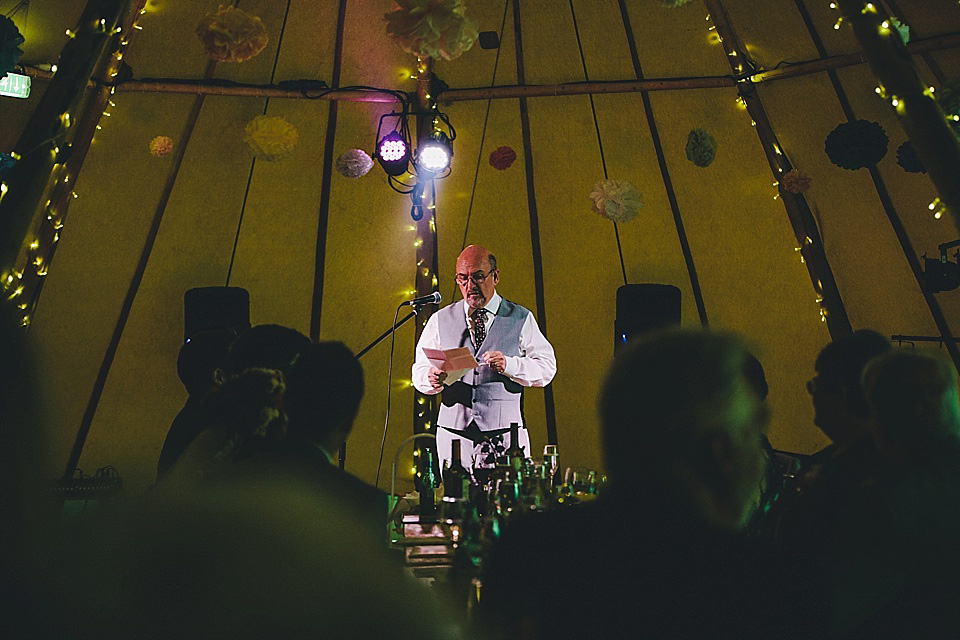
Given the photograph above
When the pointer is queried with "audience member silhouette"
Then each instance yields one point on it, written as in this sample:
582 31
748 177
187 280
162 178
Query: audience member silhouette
245 413
661 554
840 408
893 561
202 367
267 346
324 389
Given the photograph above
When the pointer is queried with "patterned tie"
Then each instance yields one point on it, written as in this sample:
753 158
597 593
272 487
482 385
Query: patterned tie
479 327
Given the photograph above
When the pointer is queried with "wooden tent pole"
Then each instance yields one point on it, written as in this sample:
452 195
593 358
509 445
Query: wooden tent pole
425 406
805 229
920 115
34 199
926 45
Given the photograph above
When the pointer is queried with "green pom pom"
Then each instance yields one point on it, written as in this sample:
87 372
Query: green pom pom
701 148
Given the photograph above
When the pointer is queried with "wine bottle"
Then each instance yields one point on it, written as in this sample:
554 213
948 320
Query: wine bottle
426 484
456 479
515 453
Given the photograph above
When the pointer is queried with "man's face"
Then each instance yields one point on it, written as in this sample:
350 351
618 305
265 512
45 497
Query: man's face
469 271
828 402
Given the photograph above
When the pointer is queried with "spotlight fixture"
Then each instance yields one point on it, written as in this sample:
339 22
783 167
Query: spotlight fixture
393 153
435 153
941 274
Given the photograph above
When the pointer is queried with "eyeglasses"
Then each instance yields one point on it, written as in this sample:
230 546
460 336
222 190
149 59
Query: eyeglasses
475 278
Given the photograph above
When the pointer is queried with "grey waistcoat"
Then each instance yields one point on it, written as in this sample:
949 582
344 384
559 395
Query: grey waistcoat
489 398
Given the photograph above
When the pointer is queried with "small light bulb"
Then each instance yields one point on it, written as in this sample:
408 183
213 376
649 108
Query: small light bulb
53 69
937 215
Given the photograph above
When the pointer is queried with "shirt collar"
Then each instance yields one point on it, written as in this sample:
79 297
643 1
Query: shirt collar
493 305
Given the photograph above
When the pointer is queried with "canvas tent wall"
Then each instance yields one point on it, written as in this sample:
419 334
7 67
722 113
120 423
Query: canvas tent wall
340 260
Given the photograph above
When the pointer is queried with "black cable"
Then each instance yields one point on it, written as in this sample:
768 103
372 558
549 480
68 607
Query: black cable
253 163
386 420
596 125
483 137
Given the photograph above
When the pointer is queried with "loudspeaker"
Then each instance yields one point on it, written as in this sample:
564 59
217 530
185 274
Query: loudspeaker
642 308
206 308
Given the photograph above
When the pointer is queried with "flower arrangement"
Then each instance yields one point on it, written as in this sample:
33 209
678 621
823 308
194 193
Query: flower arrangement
701 148
502 158
354 163
270 137
231 35
432 28
855 145
161 146
616 200
10 41
796 181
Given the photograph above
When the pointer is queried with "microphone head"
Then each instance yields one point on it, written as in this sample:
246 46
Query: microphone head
437 297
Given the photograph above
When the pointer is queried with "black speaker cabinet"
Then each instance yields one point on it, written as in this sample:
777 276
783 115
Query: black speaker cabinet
642 308
206 308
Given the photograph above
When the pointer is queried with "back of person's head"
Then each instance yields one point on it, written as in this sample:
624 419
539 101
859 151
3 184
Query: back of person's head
840 365
248 409
913 395
676 409
267 346
324 389
202 356
753 372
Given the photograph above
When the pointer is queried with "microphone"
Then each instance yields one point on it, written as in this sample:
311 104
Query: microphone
433 298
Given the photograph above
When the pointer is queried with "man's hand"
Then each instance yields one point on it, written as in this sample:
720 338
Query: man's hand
436 377
495 360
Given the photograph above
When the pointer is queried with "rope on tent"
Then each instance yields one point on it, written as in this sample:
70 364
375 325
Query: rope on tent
253 163
483 137
664 172
596 126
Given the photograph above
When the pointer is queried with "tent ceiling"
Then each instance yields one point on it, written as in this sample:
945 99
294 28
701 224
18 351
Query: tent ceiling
255 225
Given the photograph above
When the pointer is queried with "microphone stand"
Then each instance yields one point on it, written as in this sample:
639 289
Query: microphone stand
385 334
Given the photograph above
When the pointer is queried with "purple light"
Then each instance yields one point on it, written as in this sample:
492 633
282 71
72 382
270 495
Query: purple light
393 154
392 148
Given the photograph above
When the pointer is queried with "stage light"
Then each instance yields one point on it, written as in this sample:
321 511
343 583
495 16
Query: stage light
435 153
393 153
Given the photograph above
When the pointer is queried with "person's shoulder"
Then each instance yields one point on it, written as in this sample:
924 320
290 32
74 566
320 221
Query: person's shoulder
509 308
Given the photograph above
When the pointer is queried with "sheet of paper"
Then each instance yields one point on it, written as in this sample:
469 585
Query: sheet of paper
453 362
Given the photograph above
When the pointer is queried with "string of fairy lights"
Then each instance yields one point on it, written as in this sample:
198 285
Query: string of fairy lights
884 28
21 286
746 72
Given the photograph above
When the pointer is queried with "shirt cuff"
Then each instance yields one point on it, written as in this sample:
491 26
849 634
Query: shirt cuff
512 367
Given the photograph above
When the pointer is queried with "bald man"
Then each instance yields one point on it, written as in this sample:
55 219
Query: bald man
511 351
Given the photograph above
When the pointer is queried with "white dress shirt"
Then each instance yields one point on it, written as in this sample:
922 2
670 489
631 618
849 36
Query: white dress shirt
534 367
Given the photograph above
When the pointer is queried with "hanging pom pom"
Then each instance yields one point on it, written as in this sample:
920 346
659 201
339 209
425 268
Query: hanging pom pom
502 158
616 200
857 144
10 41
908 159
796 181
903 29
270 137
701 147
161 146
232 35
432 28
354 163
